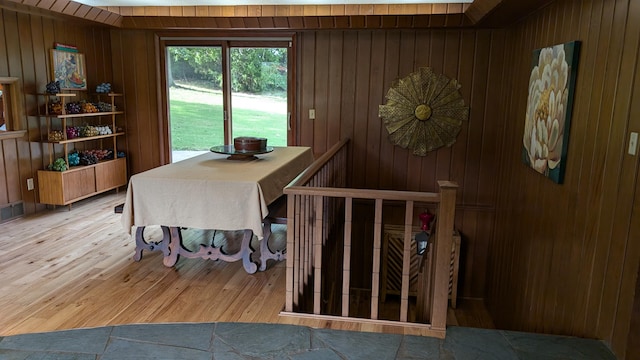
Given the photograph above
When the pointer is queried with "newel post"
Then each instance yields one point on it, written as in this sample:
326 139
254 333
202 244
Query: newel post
444 238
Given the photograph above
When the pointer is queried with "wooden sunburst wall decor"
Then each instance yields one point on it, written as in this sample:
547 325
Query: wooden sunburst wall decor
424 111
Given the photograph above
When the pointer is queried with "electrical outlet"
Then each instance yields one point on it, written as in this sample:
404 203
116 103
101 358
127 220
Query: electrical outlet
30 184
312 114
633 143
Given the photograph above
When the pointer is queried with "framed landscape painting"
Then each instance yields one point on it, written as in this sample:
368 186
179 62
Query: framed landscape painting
68 68
548 116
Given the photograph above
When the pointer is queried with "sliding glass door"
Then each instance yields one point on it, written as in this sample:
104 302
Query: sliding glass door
221 91
196 106
259 93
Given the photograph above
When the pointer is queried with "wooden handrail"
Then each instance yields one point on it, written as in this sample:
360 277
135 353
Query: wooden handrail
364 193
310 171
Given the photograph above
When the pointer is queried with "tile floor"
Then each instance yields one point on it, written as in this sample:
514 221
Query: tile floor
231 341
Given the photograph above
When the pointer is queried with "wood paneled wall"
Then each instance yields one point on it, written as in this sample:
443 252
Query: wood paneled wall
25 41
564 258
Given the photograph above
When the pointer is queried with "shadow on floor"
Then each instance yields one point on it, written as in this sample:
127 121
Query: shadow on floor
218 341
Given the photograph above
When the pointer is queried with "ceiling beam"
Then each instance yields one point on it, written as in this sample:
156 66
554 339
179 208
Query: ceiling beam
71 9
481 8
481 13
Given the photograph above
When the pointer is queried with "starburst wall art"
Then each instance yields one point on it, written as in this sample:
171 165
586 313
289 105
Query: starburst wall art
549 104
424 111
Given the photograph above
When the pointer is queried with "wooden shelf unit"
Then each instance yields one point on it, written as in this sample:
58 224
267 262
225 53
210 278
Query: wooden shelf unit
82 181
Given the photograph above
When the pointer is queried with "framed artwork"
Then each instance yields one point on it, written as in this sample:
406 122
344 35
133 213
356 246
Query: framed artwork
551 89
68 68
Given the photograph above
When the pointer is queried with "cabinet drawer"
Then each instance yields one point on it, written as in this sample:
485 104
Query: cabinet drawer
79 183
111 174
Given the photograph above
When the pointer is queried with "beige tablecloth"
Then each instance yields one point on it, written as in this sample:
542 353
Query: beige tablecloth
211 192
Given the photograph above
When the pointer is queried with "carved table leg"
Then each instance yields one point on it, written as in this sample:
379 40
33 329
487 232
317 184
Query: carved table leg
175 247
246 251
141 244
265 252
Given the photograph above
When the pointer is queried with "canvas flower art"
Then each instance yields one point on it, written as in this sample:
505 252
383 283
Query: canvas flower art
548 113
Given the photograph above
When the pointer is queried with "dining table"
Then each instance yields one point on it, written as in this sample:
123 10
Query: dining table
219 190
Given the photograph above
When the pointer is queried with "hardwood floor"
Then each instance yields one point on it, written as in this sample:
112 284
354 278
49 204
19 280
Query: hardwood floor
63 269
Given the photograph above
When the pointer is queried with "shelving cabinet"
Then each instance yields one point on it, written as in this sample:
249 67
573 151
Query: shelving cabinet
82 181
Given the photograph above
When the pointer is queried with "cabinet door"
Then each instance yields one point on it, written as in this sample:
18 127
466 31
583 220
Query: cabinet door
111 174
79 183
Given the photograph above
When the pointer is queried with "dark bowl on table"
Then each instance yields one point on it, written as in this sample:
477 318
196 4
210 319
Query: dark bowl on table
249 144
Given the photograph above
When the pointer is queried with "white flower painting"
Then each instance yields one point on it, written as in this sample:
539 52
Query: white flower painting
546 130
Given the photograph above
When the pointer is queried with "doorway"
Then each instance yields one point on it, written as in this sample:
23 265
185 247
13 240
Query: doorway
219 90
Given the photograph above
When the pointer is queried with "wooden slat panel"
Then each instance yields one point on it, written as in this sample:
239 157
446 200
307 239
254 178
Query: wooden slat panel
372 130
11 188
391 62
317 254
334 88
375 272
321 93
361 116
346 264
406 261
4 164
82 11
400 169
307 89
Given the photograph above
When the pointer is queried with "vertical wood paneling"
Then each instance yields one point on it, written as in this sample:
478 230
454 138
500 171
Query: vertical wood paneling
392 61
334 95
10 159
4 190
401 156
306 97
563 258
361 116
321 93
627 334
137 72
616 208
420 171
570 257
374 125
24 53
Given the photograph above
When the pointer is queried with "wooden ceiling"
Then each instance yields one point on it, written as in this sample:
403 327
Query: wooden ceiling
491 13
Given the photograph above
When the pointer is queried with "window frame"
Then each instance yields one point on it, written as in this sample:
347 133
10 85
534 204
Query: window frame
226 41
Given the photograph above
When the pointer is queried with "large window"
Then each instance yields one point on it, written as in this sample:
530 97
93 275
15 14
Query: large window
219 90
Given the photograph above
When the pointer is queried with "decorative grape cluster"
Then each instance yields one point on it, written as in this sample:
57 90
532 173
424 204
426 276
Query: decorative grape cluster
101 154
88 107
58 165
56 135
89 130
53 87
74 159
104 130
55 107
88 158
103 88
73 132
74 108
103 106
